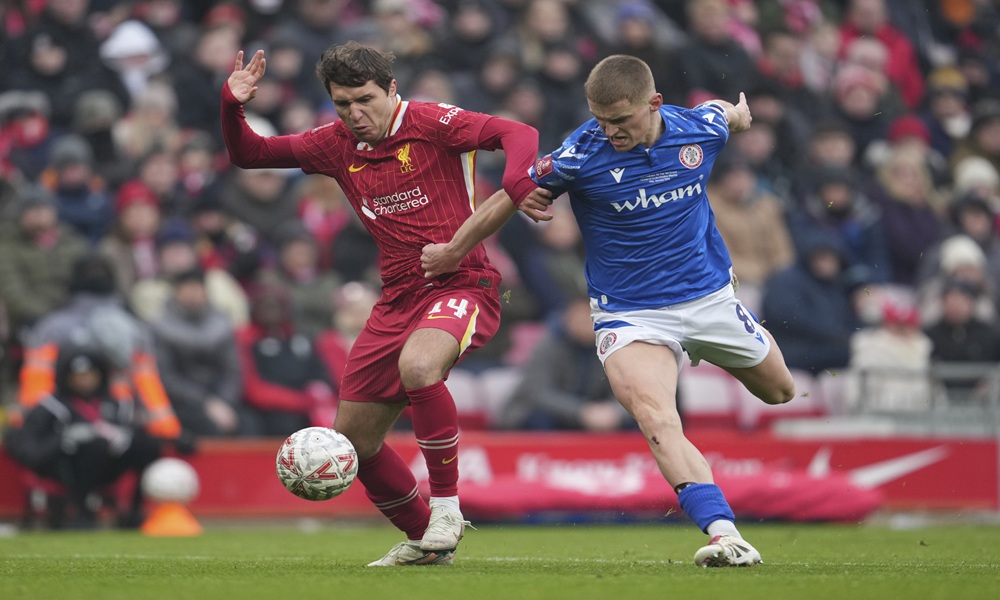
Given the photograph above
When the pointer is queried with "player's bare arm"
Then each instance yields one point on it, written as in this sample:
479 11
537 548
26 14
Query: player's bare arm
437 259
243 81
738 114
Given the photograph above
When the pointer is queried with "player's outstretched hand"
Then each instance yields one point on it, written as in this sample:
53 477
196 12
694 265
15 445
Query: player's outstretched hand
535 204
243 81
742 110
438 259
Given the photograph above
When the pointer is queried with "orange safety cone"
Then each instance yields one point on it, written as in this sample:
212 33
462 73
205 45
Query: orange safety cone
171 519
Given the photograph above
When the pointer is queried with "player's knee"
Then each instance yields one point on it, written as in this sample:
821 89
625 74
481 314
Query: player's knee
419 371
780 394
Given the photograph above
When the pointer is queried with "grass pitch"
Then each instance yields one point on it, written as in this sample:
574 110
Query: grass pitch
505 562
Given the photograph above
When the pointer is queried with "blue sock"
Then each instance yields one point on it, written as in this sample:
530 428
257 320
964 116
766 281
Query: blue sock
704 503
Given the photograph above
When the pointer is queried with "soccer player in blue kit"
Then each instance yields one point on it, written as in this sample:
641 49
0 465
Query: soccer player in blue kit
658 272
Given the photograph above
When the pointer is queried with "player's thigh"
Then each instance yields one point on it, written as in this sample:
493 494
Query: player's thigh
643 377
770 380
366 423
427 356
449 324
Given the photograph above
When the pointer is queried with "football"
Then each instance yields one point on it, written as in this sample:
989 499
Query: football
317 463
170 480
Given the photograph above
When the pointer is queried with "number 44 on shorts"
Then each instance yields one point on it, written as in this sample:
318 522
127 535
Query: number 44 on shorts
460 308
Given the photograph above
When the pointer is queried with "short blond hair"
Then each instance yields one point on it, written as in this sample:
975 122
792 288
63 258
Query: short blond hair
619 77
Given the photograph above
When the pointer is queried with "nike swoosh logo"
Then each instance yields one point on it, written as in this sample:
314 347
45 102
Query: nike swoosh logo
440 317
354 169
880 473
445 461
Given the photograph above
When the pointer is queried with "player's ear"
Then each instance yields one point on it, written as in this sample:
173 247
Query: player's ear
392 88
655 102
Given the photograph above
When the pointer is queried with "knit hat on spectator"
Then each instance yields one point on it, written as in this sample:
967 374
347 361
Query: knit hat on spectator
70 150
639 10
895 312
909 126
976 173
32 197
95 110
961 251
134 192
947 80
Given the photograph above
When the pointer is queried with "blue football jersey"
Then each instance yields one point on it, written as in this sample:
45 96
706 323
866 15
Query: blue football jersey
647 226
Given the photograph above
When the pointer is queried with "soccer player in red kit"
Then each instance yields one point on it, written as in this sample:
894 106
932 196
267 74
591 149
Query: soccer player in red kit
408 170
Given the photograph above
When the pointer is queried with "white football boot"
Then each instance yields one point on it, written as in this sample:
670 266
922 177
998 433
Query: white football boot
409 554
727 551
444 531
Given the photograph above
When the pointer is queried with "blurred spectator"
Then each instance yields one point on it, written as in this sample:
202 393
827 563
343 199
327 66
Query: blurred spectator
135 54
58 55
889 363
315 25
285 379
131 245
37 254
871 18
493 80
781 64
713 64
297 271
470 35
860 99
564 385
95 316
159 171
167 20
24 135
401 32
83 438
198 361
752 224
976 176
794 297
974 217
836 206
176 254
82 201
830 146
95 113
960 258
151 123
958 335
947 113
324 211
908 202
225 242
198 78
984 135
819 55
908 133
640 30
195 169
352 303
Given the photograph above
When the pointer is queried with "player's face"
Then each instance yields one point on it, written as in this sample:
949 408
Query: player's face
629 124
366 110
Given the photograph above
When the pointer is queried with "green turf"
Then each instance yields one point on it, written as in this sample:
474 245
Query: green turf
632 562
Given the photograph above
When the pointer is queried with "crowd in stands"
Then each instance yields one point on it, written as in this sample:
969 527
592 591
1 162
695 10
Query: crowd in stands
861 208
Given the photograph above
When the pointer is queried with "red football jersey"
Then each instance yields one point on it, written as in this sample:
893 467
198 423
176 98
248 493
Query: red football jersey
416 187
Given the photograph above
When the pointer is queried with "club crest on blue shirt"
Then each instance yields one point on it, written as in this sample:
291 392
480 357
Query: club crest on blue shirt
691 156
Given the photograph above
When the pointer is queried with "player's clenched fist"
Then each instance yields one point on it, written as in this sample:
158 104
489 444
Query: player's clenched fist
243 81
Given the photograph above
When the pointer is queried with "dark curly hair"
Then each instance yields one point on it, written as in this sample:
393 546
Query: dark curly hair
352 65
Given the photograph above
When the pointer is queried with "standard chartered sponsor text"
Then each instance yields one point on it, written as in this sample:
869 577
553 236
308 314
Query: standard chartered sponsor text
399 202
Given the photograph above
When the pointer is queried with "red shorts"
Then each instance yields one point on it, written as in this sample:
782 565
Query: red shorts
471 315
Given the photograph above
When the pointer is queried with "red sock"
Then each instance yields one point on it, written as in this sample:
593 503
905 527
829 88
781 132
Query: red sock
435 423
390 485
